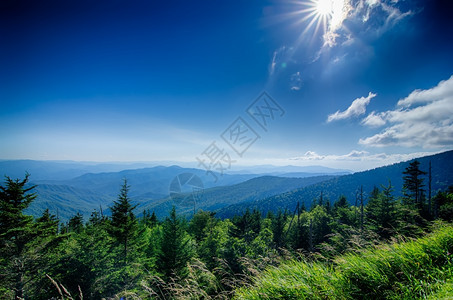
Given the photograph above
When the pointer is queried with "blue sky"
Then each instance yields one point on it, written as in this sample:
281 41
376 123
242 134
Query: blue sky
358 83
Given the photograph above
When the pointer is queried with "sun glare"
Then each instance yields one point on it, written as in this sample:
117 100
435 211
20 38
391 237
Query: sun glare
324 7
325 15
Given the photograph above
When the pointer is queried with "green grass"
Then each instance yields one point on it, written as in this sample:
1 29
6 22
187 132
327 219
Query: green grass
417 269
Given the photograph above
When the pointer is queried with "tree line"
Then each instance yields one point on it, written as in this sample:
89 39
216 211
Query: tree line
123 255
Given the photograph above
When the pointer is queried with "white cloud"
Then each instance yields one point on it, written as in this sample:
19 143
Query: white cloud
340 11
383 15
422 119
374 120
353 155
444 87
330 38
364 156
357 108
310 155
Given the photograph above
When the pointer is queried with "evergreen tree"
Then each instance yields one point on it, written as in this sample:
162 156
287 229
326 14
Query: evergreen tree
175 249
413 185
199 223
153 221
444 204
75 224
297 236
15 232
47 224
278 230
96 219
124 223
381 212
14 199
320 223
342 213
254 224
149 219
213 246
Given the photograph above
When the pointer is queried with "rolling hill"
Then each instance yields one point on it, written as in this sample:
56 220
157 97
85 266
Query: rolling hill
90 191
216 198
348 185
68 187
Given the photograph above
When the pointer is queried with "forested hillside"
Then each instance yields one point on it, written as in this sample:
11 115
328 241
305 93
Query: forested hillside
86 192
218 197
349 186
247 256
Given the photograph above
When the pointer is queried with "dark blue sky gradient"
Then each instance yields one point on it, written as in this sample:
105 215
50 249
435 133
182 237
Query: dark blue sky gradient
160 80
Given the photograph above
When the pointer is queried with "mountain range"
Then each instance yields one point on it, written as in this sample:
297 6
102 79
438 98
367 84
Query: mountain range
67 188
349 186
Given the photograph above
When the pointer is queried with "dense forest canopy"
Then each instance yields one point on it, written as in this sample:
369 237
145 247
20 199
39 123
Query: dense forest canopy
205 257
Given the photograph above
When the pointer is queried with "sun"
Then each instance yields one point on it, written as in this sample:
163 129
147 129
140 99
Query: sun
323 7
324 15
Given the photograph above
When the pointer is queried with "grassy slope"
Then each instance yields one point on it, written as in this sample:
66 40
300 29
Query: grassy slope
409 270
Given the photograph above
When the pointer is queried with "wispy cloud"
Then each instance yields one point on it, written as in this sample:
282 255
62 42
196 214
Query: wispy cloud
296 81
377 16
357 108
280 59
422 119
356 155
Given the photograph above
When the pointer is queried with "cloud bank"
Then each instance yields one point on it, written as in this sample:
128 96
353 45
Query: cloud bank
356 155
422 119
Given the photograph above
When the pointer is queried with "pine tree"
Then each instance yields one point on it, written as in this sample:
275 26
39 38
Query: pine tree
153 221
47 224
15 232
413 185
75 224
124 223
278 230
381 212
175 249
14 199
342 213
199 224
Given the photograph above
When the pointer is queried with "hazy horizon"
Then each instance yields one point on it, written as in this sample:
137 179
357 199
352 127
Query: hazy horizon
245 167
354 84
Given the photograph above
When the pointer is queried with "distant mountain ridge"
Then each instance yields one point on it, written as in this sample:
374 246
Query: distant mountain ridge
64 170
101 189
348 185
60 170
68 187
232 194
253 189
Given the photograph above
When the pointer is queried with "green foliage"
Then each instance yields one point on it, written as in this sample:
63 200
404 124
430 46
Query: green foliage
413 191
198 226
75 224
15 233
322 253
333 188
444 204
413 269
14 225
176 247
382 212
278 230
123 225
212 248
